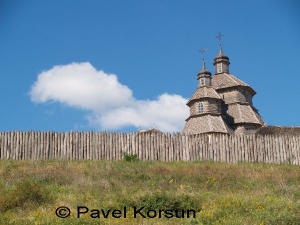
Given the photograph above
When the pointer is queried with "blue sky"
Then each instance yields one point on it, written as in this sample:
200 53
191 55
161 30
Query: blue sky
118 65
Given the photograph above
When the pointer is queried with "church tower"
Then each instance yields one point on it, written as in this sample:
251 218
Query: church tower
238 109
222 103
205 108
221 62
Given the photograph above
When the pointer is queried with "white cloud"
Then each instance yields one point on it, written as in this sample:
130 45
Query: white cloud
111 104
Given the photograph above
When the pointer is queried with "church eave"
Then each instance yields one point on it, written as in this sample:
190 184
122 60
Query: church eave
251 91
204 114
204 98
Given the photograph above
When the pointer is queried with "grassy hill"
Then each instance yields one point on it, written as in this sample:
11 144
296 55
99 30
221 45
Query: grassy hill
219 193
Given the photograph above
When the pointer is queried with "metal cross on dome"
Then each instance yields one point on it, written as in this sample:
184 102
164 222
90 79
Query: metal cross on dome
219 36
202 50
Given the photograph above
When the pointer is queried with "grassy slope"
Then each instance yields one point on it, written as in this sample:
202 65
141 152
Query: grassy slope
223 193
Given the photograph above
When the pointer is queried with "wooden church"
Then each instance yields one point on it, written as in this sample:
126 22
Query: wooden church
222 103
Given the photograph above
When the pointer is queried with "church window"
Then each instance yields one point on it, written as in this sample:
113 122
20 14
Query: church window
219 68
200 107
202 82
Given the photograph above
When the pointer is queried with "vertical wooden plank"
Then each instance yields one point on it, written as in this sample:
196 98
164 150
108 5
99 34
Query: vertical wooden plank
187 147
69 145
73 145
115 136
192 147
17 140
259 148
222 148
35 154
255 148
105 141
217 148
283 149
278 157
167 146
204 144
89 135
3 155
1 145
228 148
64 146
197 148
293 152
61 145
97 145
158 145
107 148
37 140
13 145
30 146
161 147
58 153
145 144
200 146
92 143
250 148
115 146
7 145
76 145
41 146
52 145
296 150
175 147
267 146
272 148
289 149
122 144
153 146
133 143
235 148
239 148
191 141
183 149
245 147
84 145
20 145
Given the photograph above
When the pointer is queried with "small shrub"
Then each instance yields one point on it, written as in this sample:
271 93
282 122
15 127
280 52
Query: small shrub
25 192
130 157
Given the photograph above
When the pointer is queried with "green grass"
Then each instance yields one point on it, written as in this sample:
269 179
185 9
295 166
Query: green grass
221 193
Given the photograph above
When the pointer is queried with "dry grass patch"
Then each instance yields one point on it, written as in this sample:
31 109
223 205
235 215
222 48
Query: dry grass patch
222 193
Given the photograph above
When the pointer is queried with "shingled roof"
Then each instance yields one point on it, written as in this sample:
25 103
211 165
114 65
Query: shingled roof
206 124
278 130
242 113
225 80
205 92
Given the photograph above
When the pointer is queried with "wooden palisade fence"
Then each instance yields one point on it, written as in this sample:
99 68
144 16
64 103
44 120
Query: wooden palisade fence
33 145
